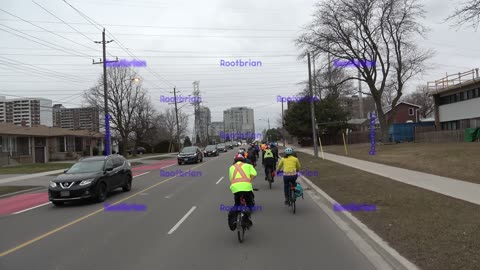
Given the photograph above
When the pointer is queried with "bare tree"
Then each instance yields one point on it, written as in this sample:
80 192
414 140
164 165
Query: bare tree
124 97
144 125
170 124
420 97
383 31
468 13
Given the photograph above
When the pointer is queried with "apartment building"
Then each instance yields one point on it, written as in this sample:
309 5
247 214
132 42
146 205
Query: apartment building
239 119
26 111
76 118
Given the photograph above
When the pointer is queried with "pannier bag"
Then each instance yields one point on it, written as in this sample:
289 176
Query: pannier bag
298 190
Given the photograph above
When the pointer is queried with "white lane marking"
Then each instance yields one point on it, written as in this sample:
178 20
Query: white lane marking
26 190
219 180
140 174
182 220
168 196
25 210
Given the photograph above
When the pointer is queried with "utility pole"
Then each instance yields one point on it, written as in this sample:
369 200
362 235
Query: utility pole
283 127
108 138
176 116
312 109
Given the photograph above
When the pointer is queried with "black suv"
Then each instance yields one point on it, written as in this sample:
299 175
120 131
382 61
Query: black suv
91 178
190 154
211 150
222 147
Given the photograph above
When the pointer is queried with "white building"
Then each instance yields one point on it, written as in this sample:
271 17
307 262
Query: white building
457 101
239 119
26 111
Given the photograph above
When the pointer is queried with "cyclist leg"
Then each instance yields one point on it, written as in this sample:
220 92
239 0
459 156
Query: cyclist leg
286 184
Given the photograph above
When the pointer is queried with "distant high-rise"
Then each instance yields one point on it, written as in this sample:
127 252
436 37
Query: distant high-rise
239 119
76 118
26 111
204 121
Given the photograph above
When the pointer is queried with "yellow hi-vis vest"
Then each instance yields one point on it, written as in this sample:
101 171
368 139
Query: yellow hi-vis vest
240 177
268 154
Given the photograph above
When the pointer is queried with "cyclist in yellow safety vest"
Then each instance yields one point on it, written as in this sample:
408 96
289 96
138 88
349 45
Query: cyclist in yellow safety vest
291 166
268 161
241 176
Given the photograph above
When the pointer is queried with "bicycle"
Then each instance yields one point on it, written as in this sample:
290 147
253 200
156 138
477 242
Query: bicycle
270 177
291 197
241 216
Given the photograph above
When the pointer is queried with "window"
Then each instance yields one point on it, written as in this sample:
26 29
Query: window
410 111
109 164
117 162
470 94
61 144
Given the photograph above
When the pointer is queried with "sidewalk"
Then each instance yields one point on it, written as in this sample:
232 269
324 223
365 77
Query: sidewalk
462 190
7 179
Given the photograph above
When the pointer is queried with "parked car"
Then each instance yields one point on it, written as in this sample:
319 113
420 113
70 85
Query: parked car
229 145
91 178
190 154
140 150
222 147
211 150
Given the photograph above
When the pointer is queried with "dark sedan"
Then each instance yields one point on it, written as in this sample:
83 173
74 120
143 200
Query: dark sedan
91 178
222 147
190 154
211 150
229 145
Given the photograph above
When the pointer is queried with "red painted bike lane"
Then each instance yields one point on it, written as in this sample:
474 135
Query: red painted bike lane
21 202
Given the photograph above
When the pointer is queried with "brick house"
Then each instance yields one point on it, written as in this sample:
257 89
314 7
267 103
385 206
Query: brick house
404 113
41 144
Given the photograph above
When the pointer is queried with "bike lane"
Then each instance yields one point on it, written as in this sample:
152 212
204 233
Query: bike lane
21 202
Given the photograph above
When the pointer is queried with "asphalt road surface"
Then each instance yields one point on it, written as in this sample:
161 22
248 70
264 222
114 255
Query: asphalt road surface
182 228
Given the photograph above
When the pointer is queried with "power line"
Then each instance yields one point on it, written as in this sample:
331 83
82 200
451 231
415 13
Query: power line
116 40
54 33
175 27
170 35
53 74
61 48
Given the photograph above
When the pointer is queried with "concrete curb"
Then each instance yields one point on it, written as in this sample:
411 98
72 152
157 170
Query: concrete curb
380 254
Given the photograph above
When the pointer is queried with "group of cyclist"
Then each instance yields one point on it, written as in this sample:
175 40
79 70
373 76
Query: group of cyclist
242 172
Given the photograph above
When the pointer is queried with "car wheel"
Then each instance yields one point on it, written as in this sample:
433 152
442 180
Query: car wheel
128 185
101 192
57 203
179 163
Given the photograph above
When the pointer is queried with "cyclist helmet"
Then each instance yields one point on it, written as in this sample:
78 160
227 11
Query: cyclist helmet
239 157
267 146
241 152
288 151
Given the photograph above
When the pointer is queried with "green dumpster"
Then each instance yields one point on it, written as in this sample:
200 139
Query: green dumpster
471 134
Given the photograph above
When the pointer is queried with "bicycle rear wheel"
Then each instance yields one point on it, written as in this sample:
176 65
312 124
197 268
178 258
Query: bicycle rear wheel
292 198
240 229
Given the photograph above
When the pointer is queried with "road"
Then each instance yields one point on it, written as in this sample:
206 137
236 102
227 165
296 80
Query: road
182 228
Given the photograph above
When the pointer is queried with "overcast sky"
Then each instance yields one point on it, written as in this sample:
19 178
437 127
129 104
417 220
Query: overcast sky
184 41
